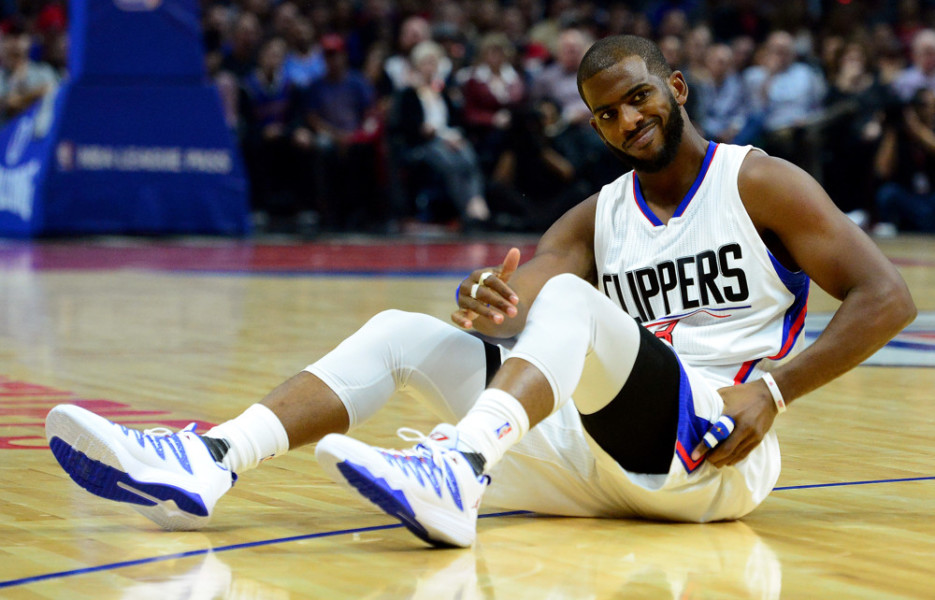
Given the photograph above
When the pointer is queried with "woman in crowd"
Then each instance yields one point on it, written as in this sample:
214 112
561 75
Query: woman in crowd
424 119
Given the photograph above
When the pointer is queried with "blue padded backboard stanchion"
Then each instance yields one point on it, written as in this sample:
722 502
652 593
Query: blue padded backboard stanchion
134 141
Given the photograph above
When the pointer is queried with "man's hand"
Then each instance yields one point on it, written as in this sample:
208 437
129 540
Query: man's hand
492 298
752 408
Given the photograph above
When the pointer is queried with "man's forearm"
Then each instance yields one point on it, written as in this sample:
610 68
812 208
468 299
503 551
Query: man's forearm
863 324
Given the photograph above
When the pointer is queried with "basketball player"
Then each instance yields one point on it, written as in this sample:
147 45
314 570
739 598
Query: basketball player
647 328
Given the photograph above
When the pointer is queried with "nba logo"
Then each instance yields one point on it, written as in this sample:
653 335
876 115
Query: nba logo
503 430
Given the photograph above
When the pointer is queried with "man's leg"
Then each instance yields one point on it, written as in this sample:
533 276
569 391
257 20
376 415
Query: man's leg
578 343
395 352
575 340
175 479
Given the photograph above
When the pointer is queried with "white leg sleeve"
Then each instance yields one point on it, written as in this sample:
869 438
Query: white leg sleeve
412 354
581 342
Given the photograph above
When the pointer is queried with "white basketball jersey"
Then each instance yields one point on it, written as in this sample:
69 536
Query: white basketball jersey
705 281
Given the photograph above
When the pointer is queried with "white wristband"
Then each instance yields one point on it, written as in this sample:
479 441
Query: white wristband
774 392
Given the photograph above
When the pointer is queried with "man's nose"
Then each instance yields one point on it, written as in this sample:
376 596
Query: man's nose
630 118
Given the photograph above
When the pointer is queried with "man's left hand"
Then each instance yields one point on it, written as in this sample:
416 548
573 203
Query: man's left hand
751 407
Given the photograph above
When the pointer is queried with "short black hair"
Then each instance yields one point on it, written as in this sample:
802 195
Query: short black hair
609 51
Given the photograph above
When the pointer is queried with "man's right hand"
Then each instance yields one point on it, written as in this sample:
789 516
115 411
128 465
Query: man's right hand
493 299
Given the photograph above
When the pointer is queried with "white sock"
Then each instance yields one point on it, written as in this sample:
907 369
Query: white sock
495 422
257 434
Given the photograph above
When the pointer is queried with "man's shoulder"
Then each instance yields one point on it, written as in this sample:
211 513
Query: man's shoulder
758 166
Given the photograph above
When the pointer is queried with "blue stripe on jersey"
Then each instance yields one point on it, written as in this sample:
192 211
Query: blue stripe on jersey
691 427
793 322
683 205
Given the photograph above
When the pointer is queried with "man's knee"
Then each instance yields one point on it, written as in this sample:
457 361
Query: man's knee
566 285
392 323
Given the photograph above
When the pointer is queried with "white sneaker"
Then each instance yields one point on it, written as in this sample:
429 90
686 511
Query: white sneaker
432 488
170 478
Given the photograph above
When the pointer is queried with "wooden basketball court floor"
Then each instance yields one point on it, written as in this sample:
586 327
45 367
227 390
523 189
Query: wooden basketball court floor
163 332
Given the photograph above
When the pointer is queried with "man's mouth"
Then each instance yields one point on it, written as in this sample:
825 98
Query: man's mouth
641 136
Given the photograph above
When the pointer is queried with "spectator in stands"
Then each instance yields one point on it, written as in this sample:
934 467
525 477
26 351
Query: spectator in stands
921 73
744 50
906 163
262 9
413 31
22 81
671 48
672 21
697 42
305 62
735 18
240 57
723 103
51 31
285 17
425 122
559 82
539 175
269 116
909 20
785 95
890 58
485 17
492 89
855 109
458 48
547 29
374 29
674 52
215 31
55 52
514 27
340 112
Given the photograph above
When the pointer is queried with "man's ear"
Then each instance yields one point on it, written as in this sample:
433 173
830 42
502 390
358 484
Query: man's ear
678 87
597 129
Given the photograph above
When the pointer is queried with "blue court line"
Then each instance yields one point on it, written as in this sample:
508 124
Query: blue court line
189 553
824 485
311 536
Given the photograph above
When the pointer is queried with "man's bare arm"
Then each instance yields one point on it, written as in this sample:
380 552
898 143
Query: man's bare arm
803 229
567 247
840 259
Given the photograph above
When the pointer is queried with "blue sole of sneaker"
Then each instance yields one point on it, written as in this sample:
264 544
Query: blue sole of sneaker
392 502
102 480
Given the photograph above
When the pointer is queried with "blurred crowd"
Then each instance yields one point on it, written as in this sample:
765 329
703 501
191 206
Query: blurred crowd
391 115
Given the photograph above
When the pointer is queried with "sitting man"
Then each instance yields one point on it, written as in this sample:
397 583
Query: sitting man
661 305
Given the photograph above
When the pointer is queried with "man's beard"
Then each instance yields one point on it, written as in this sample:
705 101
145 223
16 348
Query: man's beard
672 137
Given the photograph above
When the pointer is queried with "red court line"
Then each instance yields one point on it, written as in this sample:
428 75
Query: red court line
240 256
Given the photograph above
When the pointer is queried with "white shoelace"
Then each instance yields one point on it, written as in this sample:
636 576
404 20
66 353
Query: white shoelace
163 431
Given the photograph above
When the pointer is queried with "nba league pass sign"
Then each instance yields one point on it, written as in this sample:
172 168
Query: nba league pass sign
134 141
